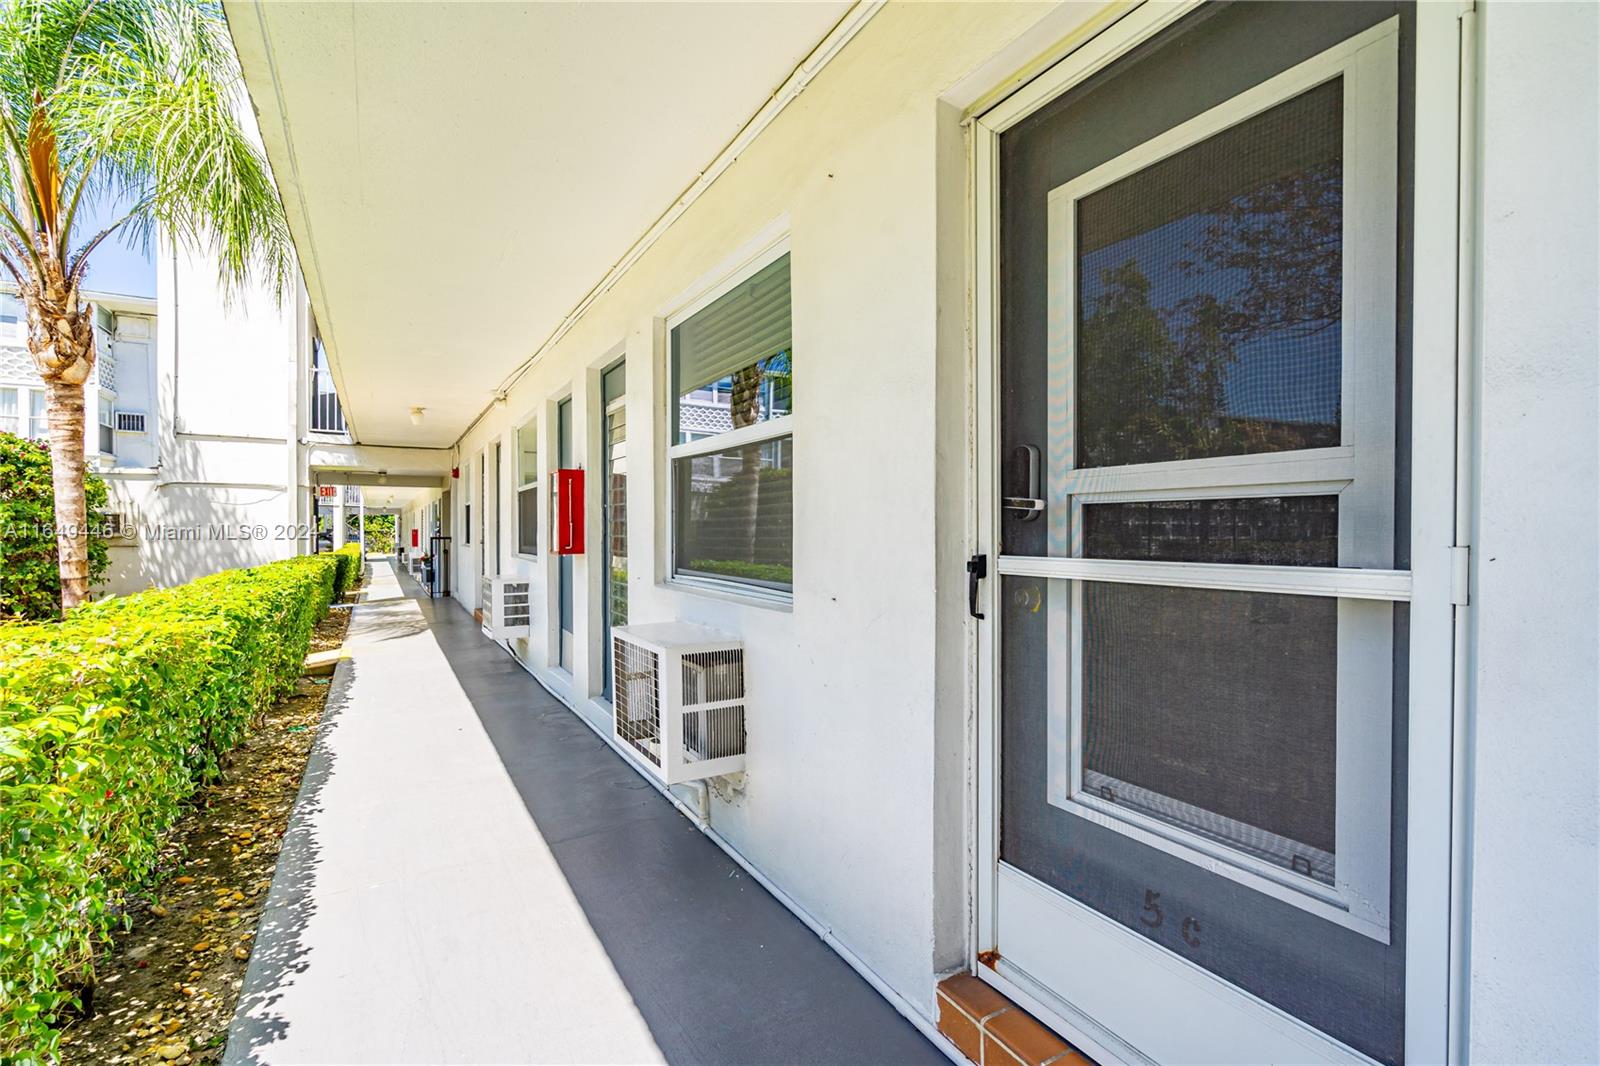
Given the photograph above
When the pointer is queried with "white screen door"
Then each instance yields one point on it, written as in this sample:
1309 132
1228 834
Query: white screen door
1198 641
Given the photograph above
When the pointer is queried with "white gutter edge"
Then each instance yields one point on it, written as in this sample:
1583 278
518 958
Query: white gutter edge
908 1010
843 32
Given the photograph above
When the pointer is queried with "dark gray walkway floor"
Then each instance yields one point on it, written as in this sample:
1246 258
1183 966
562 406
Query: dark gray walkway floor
472 875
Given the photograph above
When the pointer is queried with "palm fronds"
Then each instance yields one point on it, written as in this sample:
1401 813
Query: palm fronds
140 99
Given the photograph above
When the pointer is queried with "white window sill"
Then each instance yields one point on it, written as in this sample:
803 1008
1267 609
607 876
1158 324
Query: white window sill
732 592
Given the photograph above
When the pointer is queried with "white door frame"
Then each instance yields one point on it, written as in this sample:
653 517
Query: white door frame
1440 347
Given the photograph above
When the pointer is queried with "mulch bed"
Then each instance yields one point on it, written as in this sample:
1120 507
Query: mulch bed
166 989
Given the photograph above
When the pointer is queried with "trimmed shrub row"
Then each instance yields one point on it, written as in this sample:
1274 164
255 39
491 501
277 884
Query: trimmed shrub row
30 577
109 720
349 560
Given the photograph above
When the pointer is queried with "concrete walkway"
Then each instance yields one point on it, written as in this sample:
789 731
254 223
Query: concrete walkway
471 875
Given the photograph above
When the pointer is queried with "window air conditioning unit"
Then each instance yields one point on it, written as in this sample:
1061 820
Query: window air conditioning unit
678 699
507 603
130 421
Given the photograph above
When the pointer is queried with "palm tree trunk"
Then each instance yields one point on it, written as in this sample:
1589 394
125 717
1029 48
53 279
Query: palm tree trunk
61 341
64 401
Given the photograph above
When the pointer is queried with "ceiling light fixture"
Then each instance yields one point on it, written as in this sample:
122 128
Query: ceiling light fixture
416 416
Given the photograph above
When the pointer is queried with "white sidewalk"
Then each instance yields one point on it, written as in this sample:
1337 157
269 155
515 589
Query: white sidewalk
417 914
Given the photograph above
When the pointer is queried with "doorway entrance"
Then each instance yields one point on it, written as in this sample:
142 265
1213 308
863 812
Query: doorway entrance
1195 458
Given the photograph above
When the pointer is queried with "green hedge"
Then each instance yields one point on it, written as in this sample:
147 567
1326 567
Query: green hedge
349 572
30 576
109 721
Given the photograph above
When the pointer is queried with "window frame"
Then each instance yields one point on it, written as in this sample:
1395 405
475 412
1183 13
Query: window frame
106 422
1360 470
499 506
521 486
759 433
15 333
19 413
35 395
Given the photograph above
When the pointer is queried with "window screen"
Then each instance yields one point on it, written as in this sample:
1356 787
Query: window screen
616 511
1209 294
528 489
528 520
528 454
38 420
735 512
732 372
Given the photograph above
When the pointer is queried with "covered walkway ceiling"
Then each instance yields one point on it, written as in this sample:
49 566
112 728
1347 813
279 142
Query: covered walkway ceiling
459 176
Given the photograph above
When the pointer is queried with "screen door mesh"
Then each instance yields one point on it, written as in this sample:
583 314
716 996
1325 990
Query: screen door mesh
1217 711
1252 530
1208 294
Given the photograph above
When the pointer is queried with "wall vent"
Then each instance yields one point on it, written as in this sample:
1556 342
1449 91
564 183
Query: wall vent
506 603
130 421
678 699
116 524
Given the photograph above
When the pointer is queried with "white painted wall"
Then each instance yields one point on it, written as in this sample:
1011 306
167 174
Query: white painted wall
228 487
854 800
1534 918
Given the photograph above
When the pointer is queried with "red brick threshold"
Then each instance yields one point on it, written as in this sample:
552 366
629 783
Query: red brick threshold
991 1030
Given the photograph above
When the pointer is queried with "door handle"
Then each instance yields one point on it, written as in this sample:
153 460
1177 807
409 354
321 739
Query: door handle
977 570
1030 506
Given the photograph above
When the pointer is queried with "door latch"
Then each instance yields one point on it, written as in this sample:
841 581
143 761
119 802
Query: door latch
977 570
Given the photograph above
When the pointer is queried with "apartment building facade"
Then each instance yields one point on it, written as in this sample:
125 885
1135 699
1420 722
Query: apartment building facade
202 415
1146 450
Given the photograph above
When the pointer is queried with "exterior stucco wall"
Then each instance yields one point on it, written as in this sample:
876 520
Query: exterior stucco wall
854 797
1534 922
227 487
120 378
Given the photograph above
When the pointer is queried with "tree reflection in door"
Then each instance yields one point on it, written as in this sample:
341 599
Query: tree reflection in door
1209 317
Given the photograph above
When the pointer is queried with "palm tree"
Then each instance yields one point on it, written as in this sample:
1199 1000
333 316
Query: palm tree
136 100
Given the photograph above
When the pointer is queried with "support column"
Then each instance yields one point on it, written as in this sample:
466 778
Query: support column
338 520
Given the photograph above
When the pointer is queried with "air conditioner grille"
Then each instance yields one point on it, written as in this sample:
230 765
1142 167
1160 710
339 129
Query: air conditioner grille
130 421
713 733
514 602
507 604
713 676
638 715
